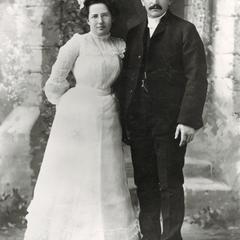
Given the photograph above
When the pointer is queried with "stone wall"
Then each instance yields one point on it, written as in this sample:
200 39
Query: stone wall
218 142
226 88
20 87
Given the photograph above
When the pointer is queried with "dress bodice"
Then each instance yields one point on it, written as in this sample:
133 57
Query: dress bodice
95 62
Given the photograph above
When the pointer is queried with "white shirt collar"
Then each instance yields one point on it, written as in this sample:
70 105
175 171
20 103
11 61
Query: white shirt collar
153 22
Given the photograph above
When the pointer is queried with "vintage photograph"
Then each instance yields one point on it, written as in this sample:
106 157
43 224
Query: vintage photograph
119 120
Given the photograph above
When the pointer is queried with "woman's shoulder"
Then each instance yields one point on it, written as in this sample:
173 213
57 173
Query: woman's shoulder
73 42
77 37
76 41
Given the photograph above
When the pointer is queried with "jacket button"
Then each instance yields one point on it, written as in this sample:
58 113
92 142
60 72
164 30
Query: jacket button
131 91
139 56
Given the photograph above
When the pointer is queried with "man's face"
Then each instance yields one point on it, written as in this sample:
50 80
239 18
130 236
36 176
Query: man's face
155 8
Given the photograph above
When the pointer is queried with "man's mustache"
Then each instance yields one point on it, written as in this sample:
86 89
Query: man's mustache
155 6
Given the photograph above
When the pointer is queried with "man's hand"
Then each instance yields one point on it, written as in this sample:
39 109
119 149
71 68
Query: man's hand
186 133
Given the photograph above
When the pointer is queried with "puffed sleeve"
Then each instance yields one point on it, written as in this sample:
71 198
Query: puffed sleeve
57 84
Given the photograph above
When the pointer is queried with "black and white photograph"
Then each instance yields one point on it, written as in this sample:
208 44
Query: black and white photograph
119 120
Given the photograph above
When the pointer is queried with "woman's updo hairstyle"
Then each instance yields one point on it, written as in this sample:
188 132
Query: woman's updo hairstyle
111 5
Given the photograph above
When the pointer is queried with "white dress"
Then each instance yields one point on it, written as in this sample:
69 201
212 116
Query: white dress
81 192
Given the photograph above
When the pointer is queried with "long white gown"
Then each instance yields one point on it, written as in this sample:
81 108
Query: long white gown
81 192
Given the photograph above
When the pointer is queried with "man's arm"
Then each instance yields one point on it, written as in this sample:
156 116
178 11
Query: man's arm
195 70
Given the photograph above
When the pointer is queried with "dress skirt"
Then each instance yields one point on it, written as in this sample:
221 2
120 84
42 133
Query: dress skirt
82 192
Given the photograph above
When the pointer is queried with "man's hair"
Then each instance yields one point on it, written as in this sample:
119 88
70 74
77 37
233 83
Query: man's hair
112 7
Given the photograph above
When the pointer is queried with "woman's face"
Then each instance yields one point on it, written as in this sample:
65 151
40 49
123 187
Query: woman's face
99 19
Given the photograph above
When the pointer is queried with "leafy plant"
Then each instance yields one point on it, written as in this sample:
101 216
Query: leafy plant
15 82
13 208
223 217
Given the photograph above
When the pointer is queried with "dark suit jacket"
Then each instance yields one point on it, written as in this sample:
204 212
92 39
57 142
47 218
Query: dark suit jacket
175 68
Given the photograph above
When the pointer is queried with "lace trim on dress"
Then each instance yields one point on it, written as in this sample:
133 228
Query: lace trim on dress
48 225
104 37
55 89
70 233
120 47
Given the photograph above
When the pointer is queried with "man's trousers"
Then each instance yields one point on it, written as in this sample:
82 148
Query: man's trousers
157 161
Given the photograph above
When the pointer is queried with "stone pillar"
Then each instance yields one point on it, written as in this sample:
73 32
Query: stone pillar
224 42
236 71
236 92
198 12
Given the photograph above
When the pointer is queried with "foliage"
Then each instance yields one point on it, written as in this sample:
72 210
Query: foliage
71 20
208 217
13 208
40 134
15 82
224 217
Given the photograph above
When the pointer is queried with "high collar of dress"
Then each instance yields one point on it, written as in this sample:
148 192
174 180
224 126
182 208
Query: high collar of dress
104 37
153 22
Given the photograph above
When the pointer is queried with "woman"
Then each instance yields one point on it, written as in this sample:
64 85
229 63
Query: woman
81 192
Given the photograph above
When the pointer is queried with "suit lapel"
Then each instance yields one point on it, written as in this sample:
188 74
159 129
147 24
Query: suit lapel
162 25
159 30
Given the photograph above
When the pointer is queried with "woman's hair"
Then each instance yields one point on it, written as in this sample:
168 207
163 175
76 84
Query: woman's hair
110 4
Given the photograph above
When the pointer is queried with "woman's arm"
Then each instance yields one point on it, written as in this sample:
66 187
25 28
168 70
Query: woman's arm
57 84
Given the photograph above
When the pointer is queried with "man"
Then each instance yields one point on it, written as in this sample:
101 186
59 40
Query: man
162 93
